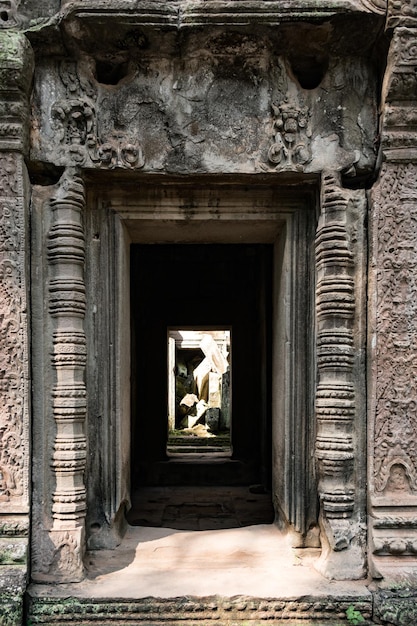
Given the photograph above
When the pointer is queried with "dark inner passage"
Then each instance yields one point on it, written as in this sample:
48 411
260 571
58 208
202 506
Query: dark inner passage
201 286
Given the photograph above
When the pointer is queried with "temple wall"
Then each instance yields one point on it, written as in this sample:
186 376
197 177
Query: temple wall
16 75
306 96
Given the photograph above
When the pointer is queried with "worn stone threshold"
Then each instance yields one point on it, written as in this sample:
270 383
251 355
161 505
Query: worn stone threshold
225 577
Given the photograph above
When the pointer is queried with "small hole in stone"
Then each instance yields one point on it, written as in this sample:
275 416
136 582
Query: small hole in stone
4 16
95 527
109 73
309 71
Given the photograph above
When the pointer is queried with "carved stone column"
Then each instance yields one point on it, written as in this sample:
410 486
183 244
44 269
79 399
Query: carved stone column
393 325
16 69
338 303
66 252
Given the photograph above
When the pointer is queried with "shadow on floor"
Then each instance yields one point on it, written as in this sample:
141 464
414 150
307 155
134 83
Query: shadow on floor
200 508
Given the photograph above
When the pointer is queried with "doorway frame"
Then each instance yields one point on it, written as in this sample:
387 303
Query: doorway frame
172 360
172 212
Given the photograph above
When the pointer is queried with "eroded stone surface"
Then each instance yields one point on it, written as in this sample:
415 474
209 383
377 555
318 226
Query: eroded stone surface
276 91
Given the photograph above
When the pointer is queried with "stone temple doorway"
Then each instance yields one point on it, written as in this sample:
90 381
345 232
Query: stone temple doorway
253 273
253 245
205 286
199 391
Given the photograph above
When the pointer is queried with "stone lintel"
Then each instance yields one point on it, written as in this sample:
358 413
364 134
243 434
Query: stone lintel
203 12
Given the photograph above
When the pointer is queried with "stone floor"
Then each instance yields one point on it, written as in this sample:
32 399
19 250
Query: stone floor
197 558
161 562
201 508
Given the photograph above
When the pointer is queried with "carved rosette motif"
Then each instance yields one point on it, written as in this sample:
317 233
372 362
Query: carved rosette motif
66 254
335 398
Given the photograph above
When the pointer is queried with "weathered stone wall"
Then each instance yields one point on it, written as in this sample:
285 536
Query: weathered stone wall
15 76
392 347
283 92
290 103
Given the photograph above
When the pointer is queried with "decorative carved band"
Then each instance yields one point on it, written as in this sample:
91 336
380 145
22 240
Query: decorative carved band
399 137
66 252
15 79
395 428
335 398
402 12
14 445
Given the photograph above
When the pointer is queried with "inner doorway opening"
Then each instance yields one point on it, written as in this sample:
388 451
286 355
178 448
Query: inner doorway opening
199 392
188 301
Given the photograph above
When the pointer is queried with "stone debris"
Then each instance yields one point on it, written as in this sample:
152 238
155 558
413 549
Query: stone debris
199 430
201 383
212 352
189 400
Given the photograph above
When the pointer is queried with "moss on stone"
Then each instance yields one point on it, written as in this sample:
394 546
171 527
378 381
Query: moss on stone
11 609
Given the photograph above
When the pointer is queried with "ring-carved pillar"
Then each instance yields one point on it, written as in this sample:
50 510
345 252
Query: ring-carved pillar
66 256
336 402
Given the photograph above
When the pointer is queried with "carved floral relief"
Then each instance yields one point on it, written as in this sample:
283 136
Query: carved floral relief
395 448
13 437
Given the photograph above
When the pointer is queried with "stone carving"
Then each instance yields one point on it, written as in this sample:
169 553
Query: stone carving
119 152
335 391
201 611
401 89
73 117
378 6
66 555
66 251
290 149
59 556
15 79
13 438
8 175
402 12
14 528
395 450
74 121
8 13
395 521
397 607
396 546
